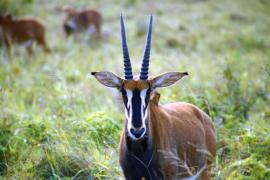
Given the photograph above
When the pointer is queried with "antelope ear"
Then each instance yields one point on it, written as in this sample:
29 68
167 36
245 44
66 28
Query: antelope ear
166 79
108 79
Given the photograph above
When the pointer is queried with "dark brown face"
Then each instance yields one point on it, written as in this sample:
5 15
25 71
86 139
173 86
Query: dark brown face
136 97
70 24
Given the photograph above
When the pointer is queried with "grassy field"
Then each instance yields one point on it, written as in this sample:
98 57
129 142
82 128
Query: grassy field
57 122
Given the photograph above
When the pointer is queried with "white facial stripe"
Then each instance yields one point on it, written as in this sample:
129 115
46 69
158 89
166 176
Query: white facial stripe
129 105
129 96
143 113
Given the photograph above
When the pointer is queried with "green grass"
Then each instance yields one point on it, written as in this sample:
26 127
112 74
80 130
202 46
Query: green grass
56 121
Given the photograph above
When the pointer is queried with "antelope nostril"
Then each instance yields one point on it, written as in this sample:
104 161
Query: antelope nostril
137 132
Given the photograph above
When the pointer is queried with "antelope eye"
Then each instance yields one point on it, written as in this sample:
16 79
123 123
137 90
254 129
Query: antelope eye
148 94
125 99
124 95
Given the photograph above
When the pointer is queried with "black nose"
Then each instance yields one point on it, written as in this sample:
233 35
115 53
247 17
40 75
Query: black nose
137 132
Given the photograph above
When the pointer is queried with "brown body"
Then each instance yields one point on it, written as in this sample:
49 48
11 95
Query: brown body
23 31
82 20
184 141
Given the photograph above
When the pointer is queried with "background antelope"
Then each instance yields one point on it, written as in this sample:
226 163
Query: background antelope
172 141
24 31
89 20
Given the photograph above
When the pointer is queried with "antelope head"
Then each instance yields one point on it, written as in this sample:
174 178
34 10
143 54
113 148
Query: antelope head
136 90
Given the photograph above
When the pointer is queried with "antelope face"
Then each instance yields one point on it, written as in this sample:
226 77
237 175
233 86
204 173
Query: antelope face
136 91
136 97
70 20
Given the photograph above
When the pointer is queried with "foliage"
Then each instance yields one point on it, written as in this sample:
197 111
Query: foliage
15 7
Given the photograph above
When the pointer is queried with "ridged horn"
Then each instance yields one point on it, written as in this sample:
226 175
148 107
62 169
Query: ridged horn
127 64
146 56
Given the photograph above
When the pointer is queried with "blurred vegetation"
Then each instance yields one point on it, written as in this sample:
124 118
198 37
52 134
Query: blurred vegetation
57 122
15 7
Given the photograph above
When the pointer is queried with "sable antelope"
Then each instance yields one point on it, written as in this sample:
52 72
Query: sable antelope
24 31
82 20
172 141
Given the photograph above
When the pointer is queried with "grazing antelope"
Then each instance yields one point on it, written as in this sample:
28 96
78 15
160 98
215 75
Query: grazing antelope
89 20
173 141
24 31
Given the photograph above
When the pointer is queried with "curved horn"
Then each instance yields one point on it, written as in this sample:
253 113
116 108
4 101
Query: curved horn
127 64
146 56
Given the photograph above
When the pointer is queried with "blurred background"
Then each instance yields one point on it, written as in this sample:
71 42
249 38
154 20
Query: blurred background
58 122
